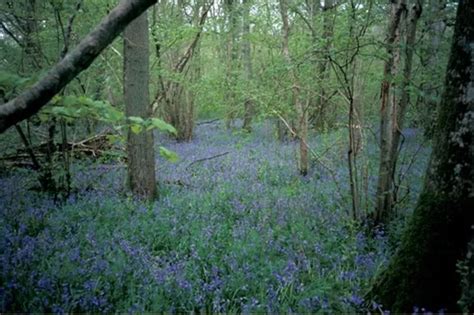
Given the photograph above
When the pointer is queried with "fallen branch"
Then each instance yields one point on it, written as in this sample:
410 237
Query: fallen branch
207 122
177 182
206 159
93 146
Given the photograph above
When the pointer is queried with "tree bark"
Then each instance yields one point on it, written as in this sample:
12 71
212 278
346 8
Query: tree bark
323 70
31 101
302 116
140 152
432 87
388 113
423 271
231 59
414 13
247 58
177 99
31 60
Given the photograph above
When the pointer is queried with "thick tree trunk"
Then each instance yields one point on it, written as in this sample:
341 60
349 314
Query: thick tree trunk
383 210
31 101
140 152
423 271
301 112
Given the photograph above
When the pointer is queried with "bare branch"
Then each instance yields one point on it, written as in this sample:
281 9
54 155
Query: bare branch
206 159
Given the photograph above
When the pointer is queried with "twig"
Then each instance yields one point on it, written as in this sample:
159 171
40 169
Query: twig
402 175
67 33
177 182
29 150
12 36
206 159
181 64
91 139
207 122
313 153
294 134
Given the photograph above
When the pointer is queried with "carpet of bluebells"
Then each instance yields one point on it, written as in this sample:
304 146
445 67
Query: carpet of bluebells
242 232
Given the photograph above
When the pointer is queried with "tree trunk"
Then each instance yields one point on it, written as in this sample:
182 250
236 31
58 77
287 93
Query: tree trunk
140 152
423 271
247 58
414 12
232 57
175 96
32 45
383 210
31 101
432 87
302 117
322 99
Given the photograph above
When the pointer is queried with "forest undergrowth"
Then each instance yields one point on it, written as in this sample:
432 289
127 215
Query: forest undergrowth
235 229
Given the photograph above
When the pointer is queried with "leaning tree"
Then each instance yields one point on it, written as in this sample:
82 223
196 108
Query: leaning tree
80 58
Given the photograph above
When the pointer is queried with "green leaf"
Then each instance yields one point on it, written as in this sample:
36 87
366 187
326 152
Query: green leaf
9 80
115 139
162 125
136 120
69 101
136 128
169 155
113 115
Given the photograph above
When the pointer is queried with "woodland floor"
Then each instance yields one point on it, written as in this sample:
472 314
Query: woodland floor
241 232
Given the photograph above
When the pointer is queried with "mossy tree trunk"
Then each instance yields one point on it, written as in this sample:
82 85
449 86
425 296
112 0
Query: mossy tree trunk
423 271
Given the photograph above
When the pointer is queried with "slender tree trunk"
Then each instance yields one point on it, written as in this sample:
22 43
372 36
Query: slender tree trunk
414 12
176 96
247 58
64 181
302 116
388 113
423 271
140 151
31 60
394 114
232 57
353 151
323 71
432 87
